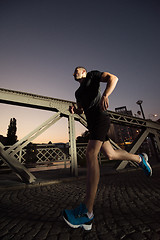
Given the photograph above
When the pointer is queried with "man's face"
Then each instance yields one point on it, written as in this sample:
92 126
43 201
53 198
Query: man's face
78 74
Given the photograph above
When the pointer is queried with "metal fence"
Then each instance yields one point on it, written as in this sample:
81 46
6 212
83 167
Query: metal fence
37 155
48 155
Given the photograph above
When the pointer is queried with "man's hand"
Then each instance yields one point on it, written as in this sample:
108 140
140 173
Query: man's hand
104 103
72 109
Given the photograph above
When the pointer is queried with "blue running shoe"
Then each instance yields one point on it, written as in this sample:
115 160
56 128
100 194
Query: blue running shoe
78 217
145 165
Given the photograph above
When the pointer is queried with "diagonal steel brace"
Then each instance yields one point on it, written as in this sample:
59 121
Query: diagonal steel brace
20 170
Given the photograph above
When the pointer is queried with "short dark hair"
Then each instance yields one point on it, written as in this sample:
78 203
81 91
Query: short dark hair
81 67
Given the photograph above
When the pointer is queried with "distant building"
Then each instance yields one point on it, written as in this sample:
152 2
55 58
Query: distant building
158 120
123 110
124 135
60 145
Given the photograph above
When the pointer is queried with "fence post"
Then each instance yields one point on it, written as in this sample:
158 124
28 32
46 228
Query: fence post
64 155
72 145
20 155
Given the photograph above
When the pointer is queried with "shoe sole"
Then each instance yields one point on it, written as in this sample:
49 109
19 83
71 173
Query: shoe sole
85 226
146 159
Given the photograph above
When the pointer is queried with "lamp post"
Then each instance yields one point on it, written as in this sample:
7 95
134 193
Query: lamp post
139 102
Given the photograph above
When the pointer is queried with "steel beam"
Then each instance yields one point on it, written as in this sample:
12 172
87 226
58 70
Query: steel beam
33 100
32 135
72 145
52 104
20 170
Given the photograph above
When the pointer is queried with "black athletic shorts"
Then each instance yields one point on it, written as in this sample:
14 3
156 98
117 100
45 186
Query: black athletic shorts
98 124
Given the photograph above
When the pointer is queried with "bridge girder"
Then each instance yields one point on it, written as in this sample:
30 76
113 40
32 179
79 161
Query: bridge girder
62 108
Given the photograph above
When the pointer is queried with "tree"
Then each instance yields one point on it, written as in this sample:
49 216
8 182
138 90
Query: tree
83 138
31 154
11 134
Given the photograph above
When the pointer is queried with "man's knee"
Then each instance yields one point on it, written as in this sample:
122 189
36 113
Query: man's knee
111 155
91 154
109 151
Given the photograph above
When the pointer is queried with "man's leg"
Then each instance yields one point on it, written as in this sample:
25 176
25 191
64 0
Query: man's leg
82 216
118 154
93 172
141 159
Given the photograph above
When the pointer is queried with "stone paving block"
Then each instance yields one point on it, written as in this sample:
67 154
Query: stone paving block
143 228
52 237
17 237
135 222
9 236
77 237
17 227
118 232
12 224
4 222
153 236
107 236
42 234
3 232
78 233
122 222
25 229
138 235
155 226
57 228
64 236
128 229
33 232
88 235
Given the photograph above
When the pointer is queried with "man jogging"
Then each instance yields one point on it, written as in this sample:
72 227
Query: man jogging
94 106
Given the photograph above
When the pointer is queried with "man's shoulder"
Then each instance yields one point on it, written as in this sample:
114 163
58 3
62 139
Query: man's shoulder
94 73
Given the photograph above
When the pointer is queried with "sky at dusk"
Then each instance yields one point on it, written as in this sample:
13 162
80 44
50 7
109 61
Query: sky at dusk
42 41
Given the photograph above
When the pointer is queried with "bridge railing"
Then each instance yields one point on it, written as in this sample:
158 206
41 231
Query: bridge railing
48 155
40 155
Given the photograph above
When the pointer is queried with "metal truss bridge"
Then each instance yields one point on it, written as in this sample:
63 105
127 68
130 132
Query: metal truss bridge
61 109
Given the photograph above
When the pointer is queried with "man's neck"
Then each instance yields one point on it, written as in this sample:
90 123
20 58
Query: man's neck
81 80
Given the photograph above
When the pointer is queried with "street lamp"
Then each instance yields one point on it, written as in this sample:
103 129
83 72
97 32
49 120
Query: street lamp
139 102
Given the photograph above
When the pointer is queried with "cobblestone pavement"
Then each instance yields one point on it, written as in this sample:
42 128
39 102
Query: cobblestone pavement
127 207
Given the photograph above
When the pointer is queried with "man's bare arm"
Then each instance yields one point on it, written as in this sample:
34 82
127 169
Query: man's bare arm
111 81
